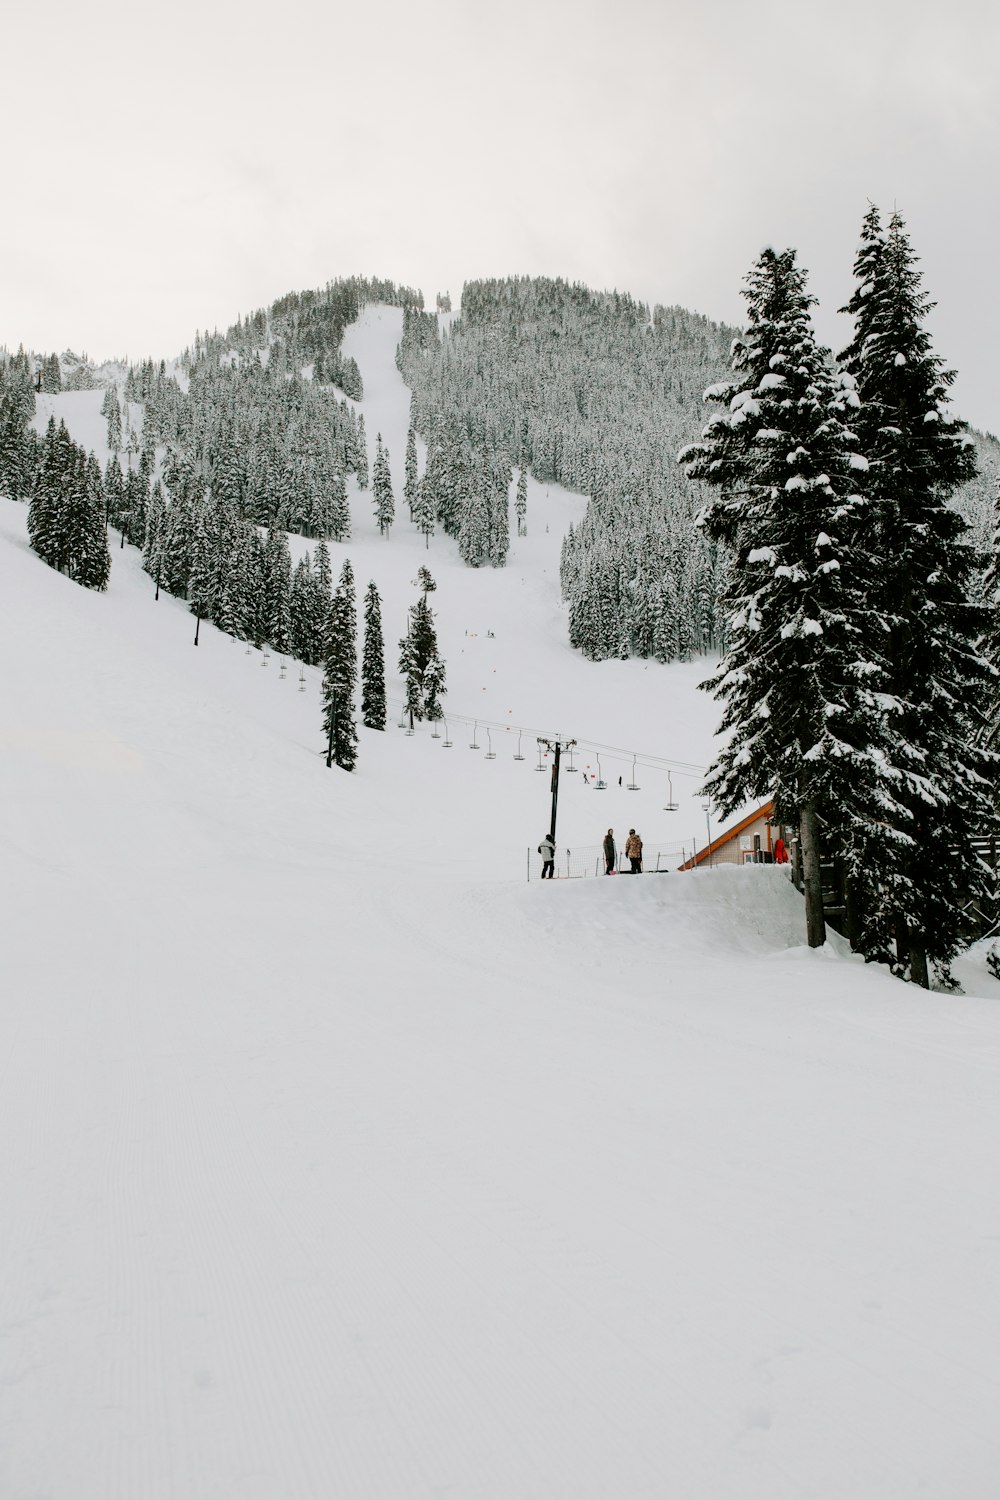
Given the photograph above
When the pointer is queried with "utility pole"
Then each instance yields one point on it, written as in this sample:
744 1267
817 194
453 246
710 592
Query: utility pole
557 747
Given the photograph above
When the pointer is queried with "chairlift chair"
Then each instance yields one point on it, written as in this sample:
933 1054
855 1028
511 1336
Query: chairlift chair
670 805
633 785
474 743
518 755
490 752
447 742
600 785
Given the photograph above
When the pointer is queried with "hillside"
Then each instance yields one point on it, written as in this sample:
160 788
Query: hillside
342 1160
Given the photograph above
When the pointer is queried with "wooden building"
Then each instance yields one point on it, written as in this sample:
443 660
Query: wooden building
750 841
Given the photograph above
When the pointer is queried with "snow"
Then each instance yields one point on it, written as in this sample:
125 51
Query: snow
340 1160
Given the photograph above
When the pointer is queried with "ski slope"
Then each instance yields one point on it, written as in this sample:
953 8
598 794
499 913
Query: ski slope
340 1160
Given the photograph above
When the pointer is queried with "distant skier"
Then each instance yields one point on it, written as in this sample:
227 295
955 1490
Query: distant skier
547 849
633 852
610 852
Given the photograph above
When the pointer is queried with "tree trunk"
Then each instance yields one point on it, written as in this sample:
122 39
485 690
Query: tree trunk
918 964
812 879
852 910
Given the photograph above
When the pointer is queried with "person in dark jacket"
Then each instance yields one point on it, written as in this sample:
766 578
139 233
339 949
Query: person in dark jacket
547 849
610 852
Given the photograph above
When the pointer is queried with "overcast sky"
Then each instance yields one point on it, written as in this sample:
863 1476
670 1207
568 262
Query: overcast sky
170 166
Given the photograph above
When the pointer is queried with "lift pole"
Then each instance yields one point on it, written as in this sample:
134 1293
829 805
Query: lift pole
557 747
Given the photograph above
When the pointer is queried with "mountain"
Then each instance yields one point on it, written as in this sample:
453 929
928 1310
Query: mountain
341 1159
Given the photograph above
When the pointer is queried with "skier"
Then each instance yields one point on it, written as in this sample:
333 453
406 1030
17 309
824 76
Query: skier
610 852
547 849
633 852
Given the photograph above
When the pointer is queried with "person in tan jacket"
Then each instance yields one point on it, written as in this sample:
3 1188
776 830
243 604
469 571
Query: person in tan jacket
633 852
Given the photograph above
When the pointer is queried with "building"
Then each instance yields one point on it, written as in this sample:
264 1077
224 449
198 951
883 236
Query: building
750 841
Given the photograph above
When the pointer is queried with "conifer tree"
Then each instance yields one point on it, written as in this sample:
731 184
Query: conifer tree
201 585
423 510
361 454
801 674
521 503
411 483
419 662
385 506
919 868
340 673
373 663
114 418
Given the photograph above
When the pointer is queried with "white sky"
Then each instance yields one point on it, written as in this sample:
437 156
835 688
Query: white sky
176 165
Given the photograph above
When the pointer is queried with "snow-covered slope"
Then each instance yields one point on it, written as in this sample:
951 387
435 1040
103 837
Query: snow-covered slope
341 1161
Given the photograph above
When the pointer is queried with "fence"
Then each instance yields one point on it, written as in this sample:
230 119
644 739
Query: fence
588 859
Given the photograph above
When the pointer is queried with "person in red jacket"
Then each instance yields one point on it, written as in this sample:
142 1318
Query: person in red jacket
780 852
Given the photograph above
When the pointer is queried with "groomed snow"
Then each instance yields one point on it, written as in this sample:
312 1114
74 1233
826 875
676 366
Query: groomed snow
339 1160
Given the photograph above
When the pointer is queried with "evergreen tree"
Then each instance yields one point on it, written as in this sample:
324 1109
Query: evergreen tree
521 503
277 581
114 418
801 675
201 585
340 672
419 662
919 869
385 506
411 483
373 663
361 454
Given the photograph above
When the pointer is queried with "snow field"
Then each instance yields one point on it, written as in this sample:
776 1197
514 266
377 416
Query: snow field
341 1161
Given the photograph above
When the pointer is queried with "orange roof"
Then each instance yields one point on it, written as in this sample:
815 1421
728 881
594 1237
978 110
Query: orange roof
765 810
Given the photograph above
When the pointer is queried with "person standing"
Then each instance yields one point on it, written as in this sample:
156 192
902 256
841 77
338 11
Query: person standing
610 852
547 849
633 852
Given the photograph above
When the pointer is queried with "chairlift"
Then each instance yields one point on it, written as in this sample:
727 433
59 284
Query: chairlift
541 765
518 755
447 742
302 679
600 785
670 805
435 732
570 767
633 785
282 670
490 752
473 743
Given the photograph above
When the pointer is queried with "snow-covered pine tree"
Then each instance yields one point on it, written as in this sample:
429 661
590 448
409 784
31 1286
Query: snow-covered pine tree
385 505
419 663
423 510
340 673
277 580
990 644
918 870
156 520
521 503
114 419
114 494
411 482
800 677
361 453
373 663
201 583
